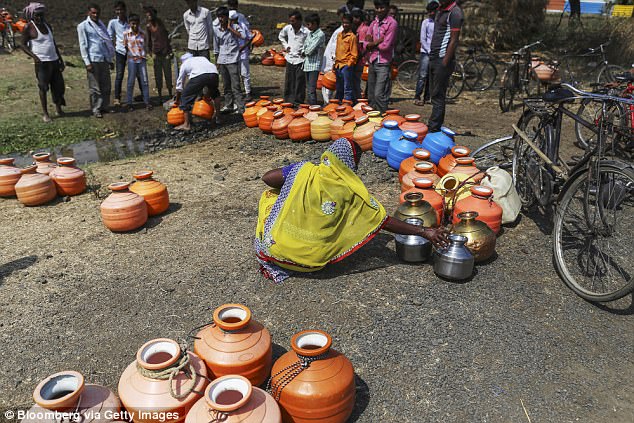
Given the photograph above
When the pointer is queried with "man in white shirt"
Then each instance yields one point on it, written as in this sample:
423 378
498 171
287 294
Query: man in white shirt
200 73
197 22
329 56
292 37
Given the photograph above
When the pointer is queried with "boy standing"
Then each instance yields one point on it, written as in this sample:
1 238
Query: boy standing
346 57
313 52
381 39
426 33
158 44
227 51
116 28
197 22
292 37
134 43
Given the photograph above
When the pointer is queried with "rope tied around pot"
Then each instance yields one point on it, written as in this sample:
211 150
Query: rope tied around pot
289 373
184 365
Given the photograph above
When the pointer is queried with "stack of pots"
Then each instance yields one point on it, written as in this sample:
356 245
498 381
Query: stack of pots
263 109
329 80
279 60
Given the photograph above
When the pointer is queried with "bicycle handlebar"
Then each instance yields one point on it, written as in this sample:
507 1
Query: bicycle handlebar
604 97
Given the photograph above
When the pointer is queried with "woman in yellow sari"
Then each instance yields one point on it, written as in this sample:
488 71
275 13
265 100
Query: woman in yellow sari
319 214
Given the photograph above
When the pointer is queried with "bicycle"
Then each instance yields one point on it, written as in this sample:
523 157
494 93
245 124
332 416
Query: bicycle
519 77
592 244
408 75
480 71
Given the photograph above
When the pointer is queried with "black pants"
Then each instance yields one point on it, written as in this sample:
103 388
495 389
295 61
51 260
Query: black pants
438 82
195 86
200 53
295 84
49 74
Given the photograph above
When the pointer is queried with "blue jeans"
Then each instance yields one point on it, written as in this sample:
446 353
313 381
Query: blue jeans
120 60
422 83
139 69
345 81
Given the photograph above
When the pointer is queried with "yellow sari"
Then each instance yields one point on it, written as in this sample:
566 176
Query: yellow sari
322 214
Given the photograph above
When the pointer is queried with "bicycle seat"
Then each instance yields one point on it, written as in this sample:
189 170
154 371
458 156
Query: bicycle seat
559 95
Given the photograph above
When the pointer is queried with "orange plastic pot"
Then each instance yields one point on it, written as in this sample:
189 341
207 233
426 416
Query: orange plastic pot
330 80
123 210
332 105
67 392
480 201
44 163
412 123
299 128
250 115
407 165
279 60
364 73
320 127
324 391
266 119
421 170
34 189
9 176
257 39
313 112
235 345
153 192
68 178
393 114
448 162
263 99
143 395
363 132
203 108
426 187
263 109
233 398
466 166
175 116
279 127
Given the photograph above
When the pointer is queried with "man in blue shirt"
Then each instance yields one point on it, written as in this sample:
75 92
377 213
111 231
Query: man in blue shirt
97 52
116 28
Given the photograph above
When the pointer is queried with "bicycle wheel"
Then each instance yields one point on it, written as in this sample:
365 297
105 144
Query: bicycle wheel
408 75
593 234
507 89
498 152
608 73
456 82
615 122
480 74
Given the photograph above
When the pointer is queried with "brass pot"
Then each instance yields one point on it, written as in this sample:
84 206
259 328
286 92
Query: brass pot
417 208
481 239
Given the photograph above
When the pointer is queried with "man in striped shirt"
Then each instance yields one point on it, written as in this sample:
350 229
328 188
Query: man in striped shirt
442 58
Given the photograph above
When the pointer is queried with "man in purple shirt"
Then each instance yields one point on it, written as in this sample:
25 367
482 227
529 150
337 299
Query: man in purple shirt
426 33
379 46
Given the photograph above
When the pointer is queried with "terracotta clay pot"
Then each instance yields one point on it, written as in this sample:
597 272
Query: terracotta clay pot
266 120
279 60
263 99
364 132
416 207
263 110
287 108
342 127
313 113
426 187
203 108
68 178
330 80
153 192
480 201
348 105
448 162
44 163
250 114
123 210
320 127
34 189
235 345
466 165
421 169
9 176
407 165
393 114
278 103
303 108
175 116
233 398
339 110
412 123
481 239
142 394
299 128
279 127
332 105
324 391
67 392
257 39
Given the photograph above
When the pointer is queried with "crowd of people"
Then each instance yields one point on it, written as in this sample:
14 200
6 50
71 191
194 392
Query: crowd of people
358 42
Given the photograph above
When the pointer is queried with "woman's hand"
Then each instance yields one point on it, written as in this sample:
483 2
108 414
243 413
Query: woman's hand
438 236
